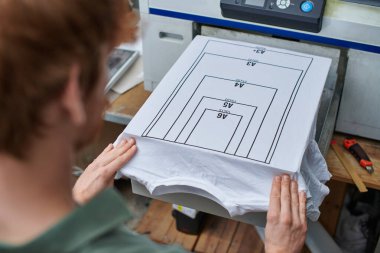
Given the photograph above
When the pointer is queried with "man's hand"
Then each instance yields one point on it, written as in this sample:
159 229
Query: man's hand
101 172
286 218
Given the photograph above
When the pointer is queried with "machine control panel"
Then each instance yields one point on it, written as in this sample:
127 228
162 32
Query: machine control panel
304 15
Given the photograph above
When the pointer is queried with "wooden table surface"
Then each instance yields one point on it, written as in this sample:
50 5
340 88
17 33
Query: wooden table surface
218 235
127 105
339 173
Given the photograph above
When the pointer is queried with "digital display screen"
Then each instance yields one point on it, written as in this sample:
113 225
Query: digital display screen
259 3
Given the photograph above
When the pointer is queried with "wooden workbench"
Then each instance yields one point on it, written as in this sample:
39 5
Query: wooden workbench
219 235
127 105
340 174
333 203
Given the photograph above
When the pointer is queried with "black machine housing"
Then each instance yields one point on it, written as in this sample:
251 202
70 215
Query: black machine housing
269 12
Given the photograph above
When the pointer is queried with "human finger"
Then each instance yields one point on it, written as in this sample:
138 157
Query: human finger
104 152
100 157
295 202
111 169
121 143
285 214
274 200
107 149
302 206
116 152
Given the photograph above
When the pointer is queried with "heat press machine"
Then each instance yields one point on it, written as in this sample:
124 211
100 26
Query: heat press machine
346 32
349 33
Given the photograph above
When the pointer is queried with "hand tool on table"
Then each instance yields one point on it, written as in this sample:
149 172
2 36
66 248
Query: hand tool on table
359 153
348 166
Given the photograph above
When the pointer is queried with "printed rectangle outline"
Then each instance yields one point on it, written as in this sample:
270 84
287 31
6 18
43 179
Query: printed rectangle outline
191 72
272 88
197 60
235 44
195 64
198 85
291 105
200 101
259 126
201 55
224 152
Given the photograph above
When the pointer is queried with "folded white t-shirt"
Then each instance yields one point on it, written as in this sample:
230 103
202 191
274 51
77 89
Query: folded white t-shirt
239 190
226 119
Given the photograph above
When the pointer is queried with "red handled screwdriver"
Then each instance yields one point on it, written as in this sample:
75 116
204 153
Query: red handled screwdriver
359 153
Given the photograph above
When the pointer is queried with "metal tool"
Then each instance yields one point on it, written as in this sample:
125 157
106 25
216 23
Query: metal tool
343 157
359 153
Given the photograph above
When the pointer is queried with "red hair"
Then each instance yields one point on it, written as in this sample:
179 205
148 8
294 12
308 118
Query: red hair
39 42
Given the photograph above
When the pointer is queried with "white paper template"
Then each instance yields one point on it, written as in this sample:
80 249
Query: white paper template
238 101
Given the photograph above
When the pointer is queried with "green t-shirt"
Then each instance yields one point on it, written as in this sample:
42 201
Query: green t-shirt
96 227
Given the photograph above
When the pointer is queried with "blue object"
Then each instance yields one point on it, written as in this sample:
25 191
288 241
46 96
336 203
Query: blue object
266 30
307 6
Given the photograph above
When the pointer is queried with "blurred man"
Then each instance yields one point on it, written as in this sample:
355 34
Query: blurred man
52 78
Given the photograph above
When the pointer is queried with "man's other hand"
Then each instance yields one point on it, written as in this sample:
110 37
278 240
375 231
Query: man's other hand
101 172
286 218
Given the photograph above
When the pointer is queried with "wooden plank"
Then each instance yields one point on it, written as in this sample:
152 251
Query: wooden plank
175 237
238 238
219 235
206 233
227 235
144 225
161 211
166 237
161 227
162 222
189 242
170 237
331 206
130 102
185 240
218 226
251 242
349 166
340 174
179 237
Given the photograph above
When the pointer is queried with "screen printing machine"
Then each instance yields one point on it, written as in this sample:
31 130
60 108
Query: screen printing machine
346 32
